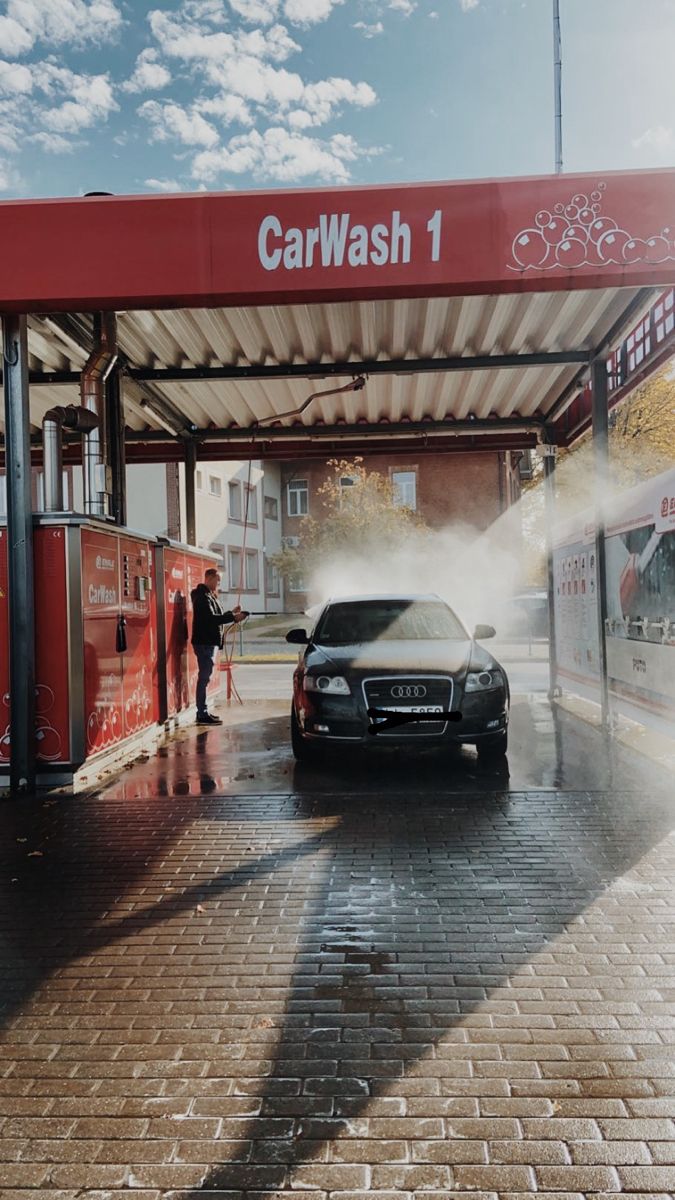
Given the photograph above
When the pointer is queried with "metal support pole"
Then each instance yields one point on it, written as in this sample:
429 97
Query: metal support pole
549 511
19 557
557 88
190 493
601 457
114 419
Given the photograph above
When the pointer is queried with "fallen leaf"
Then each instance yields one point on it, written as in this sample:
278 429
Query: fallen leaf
200 908
35 854
22 839
15 879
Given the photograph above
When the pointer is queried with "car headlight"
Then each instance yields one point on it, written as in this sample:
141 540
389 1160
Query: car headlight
483 681
330 685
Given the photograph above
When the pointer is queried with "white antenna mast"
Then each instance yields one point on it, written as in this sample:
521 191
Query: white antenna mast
557 55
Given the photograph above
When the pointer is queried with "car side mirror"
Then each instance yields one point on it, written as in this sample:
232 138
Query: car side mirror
482 632
298 637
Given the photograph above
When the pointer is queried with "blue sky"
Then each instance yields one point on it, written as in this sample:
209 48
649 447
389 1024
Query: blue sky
136 97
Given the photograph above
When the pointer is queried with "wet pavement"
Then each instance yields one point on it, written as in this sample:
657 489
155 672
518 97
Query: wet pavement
251 754
415 977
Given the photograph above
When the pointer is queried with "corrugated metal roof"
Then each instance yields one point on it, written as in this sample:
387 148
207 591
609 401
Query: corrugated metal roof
319 333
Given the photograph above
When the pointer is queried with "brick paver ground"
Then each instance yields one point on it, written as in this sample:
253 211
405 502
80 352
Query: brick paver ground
339 995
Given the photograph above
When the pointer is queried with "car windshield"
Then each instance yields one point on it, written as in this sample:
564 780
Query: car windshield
388 620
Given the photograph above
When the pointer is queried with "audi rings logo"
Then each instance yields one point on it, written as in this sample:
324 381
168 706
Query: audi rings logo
409 691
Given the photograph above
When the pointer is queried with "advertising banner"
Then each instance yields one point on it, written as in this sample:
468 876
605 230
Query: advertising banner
640 554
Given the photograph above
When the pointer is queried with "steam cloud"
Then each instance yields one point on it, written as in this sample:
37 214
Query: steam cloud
475 573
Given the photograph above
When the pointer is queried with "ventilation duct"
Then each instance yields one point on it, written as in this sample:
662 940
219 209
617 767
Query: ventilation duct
81 420
94 442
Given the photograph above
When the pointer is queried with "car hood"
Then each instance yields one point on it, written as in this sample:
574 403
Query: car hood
414 657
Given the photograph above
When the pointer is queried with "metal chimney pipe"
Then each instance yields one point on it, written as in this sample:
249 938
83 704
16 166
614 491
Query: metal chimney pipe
53 424
52 454
94 447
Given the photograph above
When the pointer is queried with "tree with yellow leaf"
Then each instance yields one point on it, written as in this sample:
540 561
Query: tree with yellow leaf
362 513
641 445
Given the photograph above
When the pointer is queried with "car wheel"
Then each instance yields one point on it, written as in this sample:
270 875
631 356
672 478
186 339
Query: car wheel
302 750
494 746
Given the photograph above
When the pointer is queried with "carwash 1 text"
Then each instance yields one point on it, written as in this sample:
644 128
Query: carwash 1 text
335 242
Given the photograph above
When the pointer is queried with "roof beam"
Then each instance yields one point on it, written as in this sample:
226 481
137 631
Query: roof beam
401 366
327 370
364 430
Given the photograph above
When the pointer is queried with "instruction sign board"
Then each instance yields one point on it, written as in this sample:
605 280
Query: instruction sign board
640 556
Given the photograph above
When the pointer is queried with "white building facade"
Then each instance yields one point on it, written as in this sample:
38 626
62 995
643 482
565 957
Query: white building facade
238 512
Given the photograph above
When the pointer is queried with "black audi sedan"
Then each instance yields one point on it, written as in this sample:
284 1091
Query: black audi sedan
399 669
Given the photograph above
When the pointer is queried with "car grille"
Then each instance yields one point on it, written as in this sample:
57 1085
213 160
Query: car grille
438 690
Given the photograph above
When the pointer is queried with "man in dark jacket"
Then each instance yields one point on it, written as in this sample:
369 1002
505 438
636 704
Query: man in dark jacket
208 621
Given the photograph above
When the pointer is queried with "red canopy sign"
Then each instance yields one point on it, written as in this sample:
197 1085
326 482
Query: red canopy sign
547 234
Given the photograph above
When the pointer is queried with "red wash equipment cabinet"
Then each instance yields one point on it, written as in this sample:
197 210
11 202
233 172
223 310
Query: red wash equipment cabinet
113 619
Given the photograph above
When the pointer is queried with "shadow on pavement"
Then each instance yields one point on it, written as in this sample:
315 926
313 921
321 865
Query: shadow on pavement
371 931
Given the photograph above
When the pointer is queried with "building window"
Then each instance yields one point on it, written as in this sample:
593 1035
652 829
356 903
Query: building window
234 564
271 579
271 508
346 483
296 583
251 505
215 485
298 498
200 481
252 577
405 489
234 492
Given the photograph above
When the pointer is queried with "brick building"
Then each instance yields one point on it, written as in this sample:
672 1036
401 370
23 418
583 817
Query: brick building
443 488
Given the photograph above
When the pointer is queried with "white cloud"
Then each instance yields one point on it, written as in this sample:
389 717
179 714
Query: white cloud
163 185
15 79
369 31
90 98
53 143
212 11
241 78
319 101
227 108
433 16
9 127
169 120
280 155
14 38
10 180
186 40
406 7
58 23
467 5
244 68
261 12
658 140
309 12
149 75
